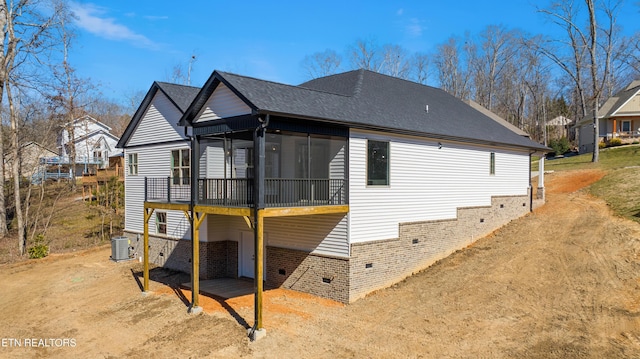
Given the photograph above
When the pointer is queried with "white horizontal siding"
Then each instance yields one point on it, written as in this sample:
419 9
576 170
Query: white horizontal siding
153 161
337 166
212 159
319 234
426 183
222 103
159 123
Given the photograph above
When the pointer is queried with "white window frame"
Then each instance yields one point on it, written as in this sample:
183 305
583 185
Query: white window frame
161 227
132 164
622 123
181 169
386 157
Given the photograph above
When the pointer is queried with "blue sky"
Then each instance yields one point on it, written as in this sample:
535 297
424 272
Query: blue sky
123 45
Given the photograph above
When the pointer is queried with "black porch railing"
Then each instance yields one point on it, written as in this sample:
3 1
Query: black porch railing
167 189
238 192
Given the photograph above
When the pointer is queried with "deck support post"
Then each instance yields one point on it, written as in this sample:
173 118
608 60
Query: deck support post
259 268
195 228
540 193
148 212
195 269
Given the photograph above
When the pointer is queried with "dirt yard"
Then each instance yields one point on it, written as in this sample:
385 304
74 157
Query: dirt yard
562 282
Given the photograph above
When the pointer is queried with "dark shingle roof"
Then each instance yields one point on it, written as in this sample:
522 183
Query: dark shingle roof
368 99
180 95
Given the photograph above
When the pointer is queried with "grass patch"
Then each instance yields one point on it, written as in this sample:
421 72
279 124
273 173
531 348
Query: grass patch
621 190
610 158
620 187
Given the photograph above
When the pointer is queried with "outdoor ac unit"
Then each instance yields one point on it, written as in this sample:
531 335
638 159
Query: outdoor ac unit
119 248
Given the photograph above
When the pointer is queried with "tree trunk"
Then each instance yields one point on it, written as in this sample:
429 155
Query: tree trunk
13 117
594 78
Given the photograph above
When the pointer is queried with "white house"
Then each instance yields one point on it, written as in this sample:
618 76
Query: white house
338 187
92 141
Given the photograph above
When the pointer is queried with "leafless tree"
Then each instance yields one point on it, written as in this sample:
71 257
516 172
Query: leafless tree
497 49
593 51
570 53
181 74
321 64
27 29
420 68
395 61
450 69
365 54
110 113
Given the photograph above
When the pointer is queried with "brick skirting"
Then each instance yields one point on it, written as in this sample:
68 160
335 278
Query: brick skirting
371 266
379 264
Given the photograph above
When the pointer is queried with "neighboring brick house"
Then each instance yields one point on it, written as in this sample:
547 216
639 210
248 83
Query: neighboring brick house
352 182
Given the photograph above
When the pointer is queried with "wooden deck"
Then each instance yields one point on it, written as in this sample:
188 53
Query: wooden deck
225 288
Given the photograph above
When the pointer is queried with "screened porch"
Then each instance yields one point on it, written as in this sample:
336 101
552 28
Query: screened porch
299 170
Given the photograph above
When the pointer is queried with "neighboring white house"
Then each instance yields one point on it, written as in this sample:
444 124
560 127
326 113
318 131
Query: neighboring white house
362 179
92 141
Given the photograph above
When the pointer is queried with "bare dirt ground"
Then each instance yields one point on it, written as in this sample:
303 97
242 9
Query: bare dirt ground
562 282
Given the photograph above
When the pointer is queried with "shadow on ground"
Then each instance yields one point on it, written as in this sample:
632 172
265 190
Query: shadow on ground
174 279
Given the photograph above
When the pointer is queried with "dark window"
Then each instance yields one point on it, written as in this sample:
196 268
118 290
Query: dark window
492 163
378 163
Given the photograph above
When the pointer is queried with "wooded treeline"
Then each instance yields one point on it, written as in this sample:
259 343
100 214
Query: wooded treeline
524 78
40 95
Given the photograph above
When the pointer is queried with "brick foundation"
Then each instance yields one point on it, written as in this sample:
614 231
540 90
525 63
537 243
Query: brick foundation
379 264
323 276
372 265
217 259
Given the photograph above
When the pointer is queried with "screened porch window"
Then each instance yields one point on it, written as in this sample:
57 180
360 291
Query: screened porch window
378 163
626 126
180 166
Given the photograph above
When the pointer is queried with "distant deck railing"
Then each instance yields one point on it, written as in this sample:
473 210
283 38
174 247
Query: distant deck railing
65 160
38 177
103 175
238 192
